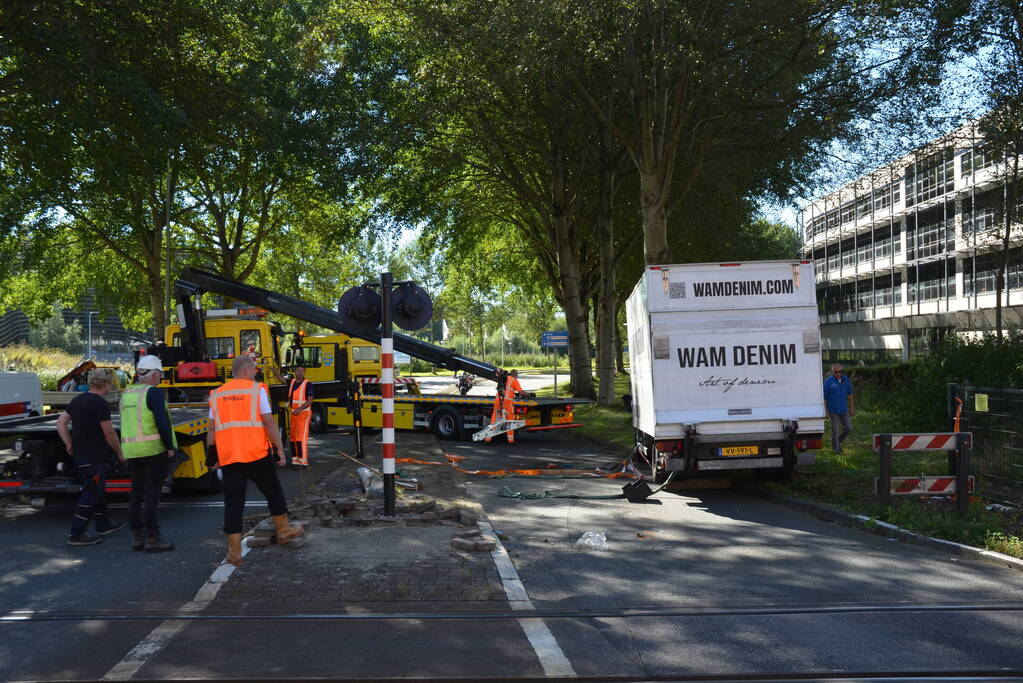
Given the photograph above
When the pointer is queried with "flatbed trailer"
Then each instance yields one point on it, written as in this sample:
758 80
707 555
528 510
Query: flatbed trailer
40 465
454 417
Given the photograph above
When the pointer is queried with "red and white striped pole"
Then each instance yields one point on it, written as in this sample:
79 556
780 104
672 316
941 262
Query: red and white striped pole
387 391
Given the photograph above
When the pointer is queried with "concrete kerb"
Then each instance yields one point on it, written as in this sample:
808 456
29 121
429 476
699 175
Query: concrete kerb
831 513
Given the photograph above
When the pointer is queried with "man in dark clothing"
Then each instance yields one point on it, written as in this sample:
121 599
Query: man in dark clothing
89 436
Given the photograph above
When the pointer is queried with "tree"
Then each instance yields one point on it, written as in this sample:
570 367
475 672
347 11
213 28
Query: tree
54 333
997 28
774 80
96 100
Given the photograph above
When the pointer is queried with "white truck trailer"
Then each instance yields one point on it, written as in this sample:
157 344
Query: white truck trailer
726 367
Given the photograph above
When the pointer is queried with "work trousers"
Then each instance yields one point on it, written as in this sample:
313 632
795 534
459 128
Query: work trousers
147 475
508 408
299 433
841 428
262 473
92 501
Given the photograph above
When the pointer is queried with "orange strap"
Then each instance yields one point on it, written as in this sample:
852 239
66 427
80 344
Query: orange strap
453 459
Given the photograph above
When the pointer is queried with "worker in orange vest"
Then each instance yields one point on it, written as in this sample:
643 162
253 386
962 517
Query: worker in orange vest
504 406
300 401
242 434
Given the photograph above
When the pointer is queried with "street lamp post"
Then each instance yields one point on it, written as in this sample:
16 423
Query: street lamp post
89 356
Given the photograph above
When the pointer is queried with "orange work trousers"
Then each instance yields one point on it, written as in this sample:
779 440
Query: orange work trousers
299 434
508 406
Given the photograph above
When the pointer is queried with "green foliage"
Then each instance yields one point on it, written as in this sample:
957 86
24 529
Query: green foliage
49 364
916 391
54 333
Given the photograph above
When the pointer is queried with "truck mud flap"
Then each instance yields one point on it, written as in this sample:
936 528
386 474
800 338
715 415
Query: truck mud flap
739 464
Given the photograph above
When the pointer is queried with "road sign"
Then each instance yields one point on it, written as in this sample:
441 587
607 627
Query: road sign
549 340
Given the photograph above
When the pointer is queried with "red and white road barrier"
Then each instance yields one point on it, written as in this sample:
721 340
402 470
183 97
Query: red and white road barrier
920 442
958 482
926 486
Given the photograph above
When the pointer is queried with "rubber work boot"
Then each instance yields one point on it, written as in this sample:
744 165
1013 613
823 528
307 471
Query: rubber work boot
285 531
234 550
138 540
155 543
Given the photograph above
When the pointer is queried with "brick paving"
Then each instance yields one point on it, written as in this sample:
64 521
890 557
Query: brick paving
374 564
343 565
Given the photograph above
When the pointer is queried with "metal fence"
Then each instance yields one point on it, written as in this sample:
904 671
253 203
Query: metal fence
995 416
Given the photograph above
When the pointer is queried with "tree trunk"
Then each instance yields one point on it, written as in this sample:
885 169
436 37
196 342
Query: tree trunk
606 296
653 201
619 349
156 302
575 319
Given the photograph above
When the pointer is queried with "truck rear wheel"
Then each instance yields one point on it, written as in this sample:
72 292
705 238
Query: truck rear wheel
446 423
318 420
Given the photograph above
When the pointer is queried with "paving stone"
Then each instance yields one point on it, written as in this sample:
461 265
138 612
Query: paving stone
466 517
468 533
486 544
259 541
422 505
462 544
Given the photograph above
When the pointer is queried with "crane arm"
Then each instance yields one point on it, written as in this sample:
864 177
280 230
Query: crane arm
194 279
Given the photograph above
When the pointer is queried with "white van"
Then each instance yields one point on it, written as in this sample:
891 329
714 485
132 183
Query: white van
21 395
726 366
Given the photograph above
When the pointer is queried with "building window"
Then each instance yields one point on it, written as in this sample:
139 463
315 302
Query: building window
931 232
930 281
979 272
888 290
834 258
887 196
986 210
849 252
977 158
863 207
931 177
864 248
819 262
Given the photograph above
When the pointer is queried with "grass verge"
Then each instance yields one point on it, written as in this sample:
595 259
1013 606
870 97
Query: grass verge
847 480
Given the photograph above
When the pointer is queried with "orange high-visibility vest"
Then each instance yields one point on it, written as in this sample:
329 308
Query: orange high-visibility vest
298 397
238 429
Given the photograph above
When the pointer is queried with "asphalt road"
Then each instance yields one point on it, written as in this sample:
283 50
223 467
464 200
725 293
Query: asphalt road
727 584
39 572
832 599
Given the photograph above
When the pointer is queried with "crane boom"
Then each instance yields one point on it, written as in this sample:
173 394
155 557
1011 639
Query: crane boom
194 279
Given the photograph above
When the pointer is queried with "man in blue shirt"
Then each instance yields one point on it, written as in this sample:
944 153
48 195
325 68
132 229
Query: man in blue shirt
840 404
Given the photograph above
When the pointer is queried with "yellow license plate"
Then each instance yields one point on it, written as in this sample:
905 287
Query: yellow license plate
739 450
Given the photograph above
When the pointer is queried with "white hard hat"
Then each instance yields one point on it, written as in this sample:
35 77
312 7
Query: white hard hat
147 363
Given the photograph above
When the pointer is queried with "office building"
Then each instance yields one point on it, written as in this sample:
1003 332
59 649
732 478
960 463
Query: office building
907 254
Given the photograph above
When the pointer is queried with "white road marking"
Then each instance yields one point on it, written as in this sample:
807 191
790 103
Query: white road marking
545 645
163 634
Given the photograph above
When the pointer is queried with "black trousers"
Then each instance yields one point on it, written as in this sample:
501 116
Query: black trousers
147 475
262 473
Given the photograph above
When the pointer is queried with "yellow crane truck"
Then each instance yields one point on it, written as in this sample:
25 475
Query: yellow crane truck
344 368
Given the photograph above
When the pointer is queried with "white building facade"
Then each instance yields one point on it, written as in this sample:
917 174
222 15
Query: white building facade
907 254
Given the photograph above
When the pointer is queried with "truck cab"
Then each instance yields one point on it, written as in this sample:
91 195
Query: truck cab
228 333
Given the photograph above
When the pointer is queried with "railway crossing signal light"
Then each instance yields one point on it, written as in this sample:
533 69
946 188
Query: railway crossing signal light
360 307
